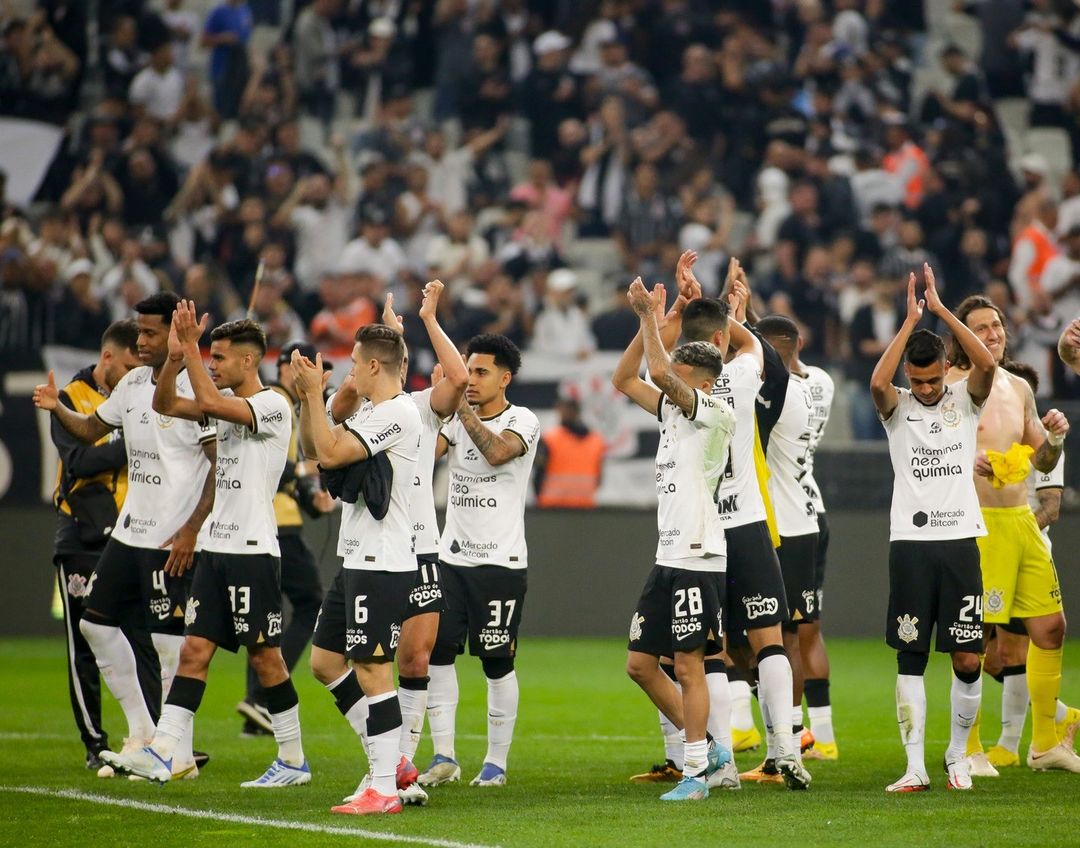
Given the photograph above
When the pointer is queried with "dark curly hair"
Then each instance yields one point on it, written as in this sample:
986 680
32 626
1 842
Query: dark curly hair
504 351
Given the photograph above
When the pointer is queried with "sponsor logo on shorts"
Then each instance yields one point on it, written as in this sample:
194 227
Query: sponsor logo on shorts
161 607
682 630
906 629
635 626
354 638
77 586
90 585
425 595
809 596
995 601
964 632
395 635
191 612
492 638
758 606
273 624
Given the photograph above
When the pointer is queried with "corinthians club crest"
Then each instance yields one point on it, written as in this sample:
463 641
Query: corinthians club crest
906 629
635 627
950 415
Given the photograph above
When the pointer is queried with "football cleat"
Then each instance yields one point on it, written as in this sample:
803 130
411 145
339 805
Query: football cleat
666 773
1067 727
369 803
131 745
725 777
413 794
180 771
145 762
745 740
441 770
959 776
280 774
94 762
257 715
490 775
1059 757
1000 757
764 773
806 740
406 774
718 755
687 789
201 758
912 781
793 772
979 765
822 751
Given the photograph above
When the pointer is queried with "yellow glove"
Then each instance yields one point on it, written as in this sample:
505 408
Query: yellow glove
1010 467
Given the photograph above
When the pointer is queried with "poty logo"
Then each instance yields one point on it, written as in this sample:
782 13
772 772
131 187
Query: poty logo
758 606
273 624
808 597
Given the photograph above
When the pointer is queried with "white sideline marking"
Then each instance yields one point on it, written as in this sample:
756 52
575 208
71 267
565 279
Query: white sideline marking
471 737
256 821
14 736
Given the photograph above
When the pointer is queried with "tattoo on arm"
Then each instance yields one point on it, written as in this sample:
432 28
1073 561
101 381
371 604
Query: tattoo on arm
492 445
1049 507
680 393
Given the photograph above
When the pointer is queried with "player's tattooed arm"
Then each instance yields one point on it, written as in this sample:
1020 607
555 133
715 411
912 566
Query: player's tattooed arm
1049 507
1046 435
181 544
881 381
1069 345
627 378
85 428
497 448
656 358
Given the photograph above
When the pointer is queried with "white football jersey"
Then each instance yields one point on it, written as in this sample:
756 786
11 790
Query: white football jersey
166 462
1053 479
249 465
689 467
788 448
425 528
364 542
485 512
739 500
822 390
933 457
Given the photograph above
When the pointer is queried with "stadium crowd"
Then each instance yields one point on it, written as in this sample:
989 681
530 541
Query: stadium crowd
534 156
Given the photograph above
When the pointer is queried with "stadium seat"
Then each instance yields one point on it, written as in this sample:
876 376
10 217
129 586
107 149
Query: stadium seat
1054 144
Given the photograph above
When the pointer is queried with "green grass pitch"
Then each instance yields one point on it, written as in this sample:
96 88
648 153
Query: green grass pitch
582 730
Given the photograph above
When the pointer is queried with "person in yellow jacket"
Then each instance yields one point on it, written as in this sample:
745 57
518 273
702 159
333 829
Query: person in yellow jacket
91 482
297 491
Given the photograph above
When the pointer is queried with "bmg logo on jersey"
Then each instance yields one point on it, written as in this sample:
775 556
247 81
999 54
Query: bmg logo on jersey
386 433
758 606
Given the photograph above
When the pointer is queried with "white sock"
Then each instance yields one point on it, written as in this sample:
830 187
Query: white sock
383 752
1062 710
442 708
673 743
184 752
168 651
286 726
116 660
357 714
1014 705
797 717
821 723
911 716
965 699
502 701
175 724
719 708
770 737
775 696
696 758
413 705
742 716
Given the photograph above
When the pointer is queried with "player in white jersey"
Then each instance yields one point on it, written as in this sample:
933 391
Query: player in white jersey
680 612
170 493
362 612
490 447
236 594
934 575
796 517
421 624
815 659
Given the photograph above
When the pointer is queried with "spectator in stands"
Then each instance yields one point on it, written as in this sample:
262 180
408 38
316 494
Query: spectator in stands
550 93
872 328
620 77
540 193
1033 249
485 90
562 327
909 255
569 462
226 32
349 305
374 254
616 326
85 316
158 89
122 60
1061 279
455 257
316 56
648 219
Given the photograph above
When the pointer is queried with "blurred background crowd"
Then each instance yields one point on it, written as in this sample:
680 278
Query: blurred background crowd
536 155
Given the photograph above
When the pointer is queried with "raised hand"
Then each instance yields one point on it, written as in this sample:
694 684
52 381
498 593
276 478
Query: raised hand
1056 424
186 324
642 301
914 307
308 374
687 282
738 298
46 395
176 350
429 307
389 317
933 299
